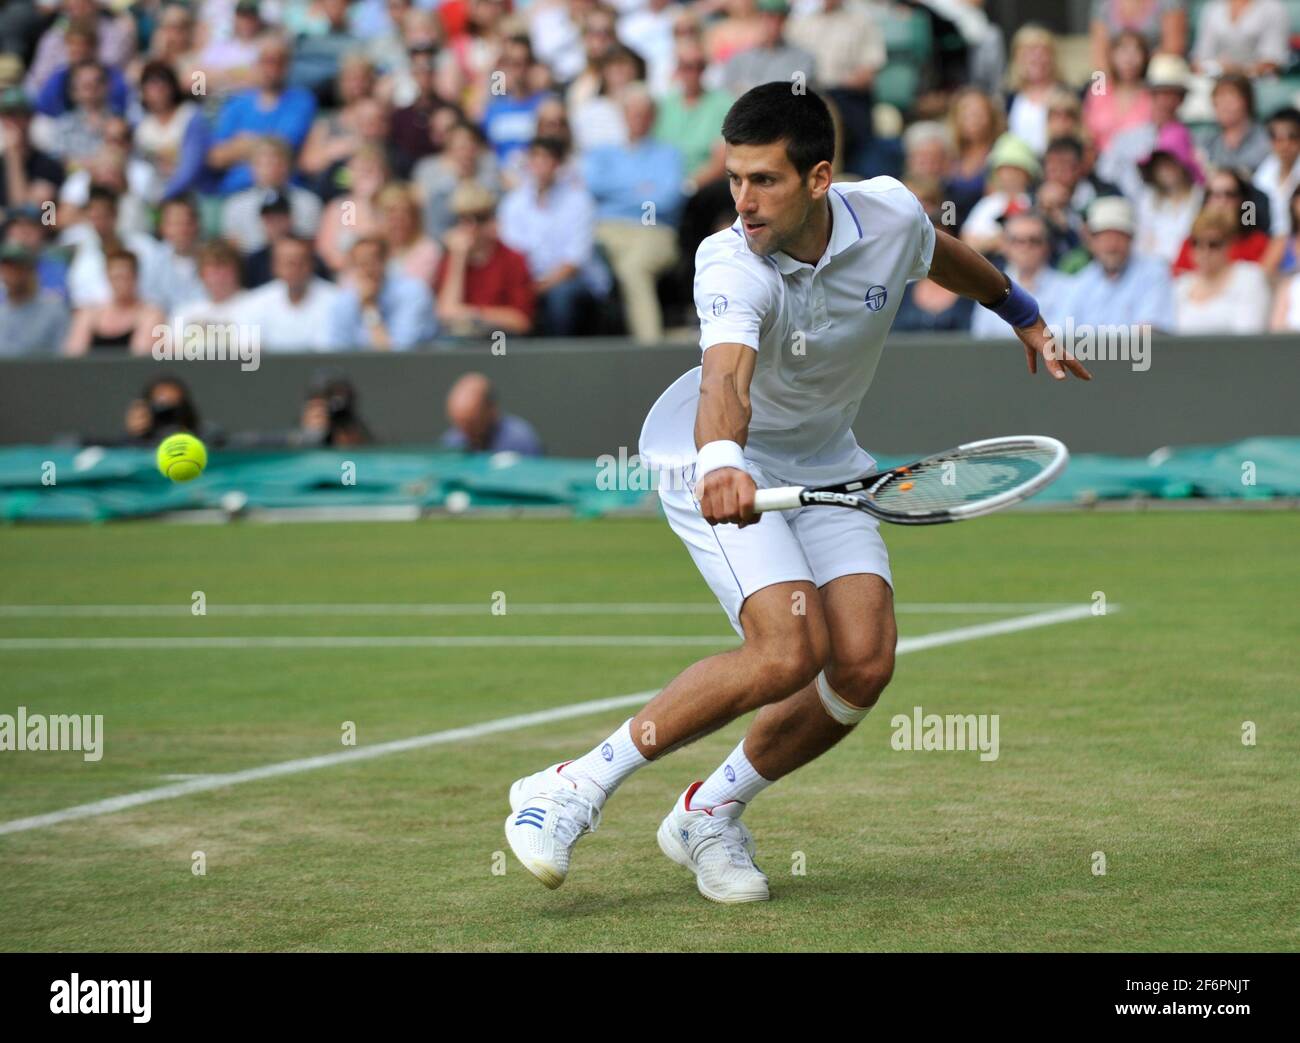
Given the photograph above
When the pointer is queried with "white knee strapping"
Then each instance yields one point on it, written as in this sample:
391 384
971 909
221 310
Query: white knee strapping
845 713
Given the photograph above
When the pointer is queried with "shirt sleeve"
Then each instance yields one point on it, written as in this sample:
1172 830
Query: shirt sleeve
730 301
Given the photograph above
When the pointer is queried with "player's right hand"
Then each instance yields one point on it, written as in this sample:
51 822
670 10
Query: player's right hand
726 497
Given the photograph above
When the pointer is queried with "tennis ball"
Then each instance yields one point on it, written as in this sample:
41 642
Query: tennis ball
182 457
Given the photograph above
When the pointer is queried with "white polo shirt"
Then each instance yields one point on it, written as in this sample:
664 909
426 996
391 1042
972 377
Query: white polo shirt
818 330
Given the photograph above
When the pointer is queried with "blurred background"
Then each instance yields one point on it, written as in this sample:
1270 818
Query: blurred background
433 231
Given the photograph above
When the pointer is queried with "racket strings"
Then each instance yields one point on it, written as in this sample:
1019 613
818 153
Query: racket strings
942 483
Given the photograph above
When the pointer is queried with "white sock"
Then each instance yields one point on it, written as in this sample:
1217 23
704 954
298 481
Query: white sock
610 762
735 779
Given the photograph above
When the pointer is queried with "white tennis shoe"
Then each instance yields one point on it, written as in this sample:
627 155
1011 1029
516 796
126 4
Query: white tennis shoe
549 813
717 847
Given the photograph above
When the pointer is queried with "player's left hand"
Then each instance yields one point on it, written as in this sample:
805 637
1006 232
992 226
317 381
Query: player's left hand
1038 340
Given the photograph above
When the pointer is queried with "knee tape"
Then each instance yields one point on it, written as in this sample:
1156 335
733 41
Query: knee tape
845 713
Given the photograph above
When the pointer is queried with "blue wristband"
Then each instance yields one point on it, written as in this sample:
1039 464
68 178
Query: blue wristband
1019 308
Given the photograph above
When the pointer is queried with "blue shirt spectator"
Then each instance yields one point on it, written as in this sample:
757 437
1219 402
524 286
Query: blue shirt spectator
623 178
379 310
270 108
509 123
509 434
479 426
53 100
1119 287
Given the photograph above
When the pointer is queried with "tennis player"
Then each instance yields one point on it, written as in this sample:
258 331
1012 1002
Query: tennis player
795 300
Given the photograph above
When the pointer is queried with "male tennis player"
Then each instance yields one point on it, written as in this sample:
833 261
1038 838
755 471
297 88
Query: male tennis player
795 300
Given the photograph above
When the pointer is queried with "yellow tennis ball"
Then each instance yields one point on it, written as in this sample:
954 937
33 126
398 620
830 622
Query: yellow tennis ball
182 457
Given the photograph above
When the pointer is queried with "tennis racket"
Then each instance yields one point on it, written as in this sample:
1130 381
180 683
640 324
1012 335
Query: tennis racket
973 479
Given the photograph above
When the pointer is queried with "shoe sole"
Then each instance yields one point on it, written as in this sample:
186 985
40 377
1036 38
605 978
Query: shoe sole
676 851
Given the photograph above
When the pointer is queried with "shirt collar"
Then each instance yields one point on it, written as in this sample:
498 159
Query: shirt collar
846 230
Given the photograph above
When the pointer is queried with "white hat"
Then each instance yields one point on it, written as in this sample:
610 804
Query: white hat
1111 214
1168 70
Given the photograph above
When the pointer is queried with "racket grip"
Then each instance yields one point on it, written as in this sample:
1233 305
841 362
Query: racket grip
782 498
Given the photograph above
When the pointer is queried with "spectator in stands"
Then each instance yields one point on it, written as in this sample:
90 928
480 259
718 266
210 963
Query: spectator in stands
334 136
31 175
598 38
1124 100
1230 193
81 40
1131 147
355 214
1286 306
25 227
1034 79
277 223
293 311
222 294
175 275
93 239
1012 171
1221 295
650 28
319 51
510 117
479 426
125 322
1283 254
466 159
976 122
848 50
1119 287
927 307
1066 164
552 122
269 108
379 309
1162 24
411 130
230 63
410 251
598 120
329 414
1065 116
1172 197
638 191
1279 174
552 223
241 220
774 58
741 28
171 45
172 138
1026 245
115 33
1237 141
690 117
1247 36
77 135
928 155
483 285
165 407
33 321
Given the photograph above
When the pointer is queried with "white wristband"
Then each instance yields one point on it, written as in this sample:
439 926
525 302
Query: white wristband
713 456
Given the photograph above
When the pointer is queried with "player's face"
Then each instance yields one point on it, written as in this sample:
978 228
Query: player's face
773 201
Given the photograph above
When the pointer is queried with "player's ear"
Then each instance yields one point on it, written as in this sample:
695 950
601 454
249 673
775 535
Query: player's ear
819 179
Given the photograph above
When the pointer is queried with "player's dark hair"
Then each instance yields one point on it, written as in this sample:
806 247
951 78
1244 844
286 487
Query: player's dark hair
773 112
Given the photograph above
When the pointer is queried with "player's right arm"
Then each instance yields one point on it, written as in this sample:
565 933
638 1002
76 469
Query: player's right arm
726 494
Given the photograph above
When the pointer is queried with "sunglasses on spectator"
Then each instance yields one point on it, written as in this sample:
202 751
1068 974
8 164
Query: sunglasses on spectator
1208 244
479 217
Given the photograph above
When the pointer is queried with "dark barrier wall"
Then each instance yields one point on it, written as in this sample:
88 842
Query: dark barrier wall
590 399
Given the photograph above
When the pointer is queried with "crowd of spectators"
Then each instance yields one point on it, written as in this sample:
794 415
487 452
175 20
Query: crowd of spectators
387 174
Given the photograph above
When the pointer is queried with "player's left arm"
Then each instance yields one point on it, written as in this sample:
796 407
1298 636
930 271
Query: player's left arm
959 268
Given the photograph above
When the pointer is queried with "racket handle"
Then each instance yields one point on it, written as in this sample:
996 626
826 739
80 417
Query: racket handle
782 498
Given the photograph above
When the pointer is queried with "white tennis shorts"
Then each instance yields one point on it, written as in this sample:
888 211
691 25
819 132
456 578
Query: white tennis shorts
815 544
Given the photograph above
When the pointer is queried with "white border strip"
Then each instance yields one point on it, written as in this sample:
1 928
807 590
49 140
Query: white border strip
206 783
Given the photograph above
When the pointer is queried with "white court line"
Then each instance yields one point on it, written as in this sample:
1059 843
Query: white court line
624 608
204 783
